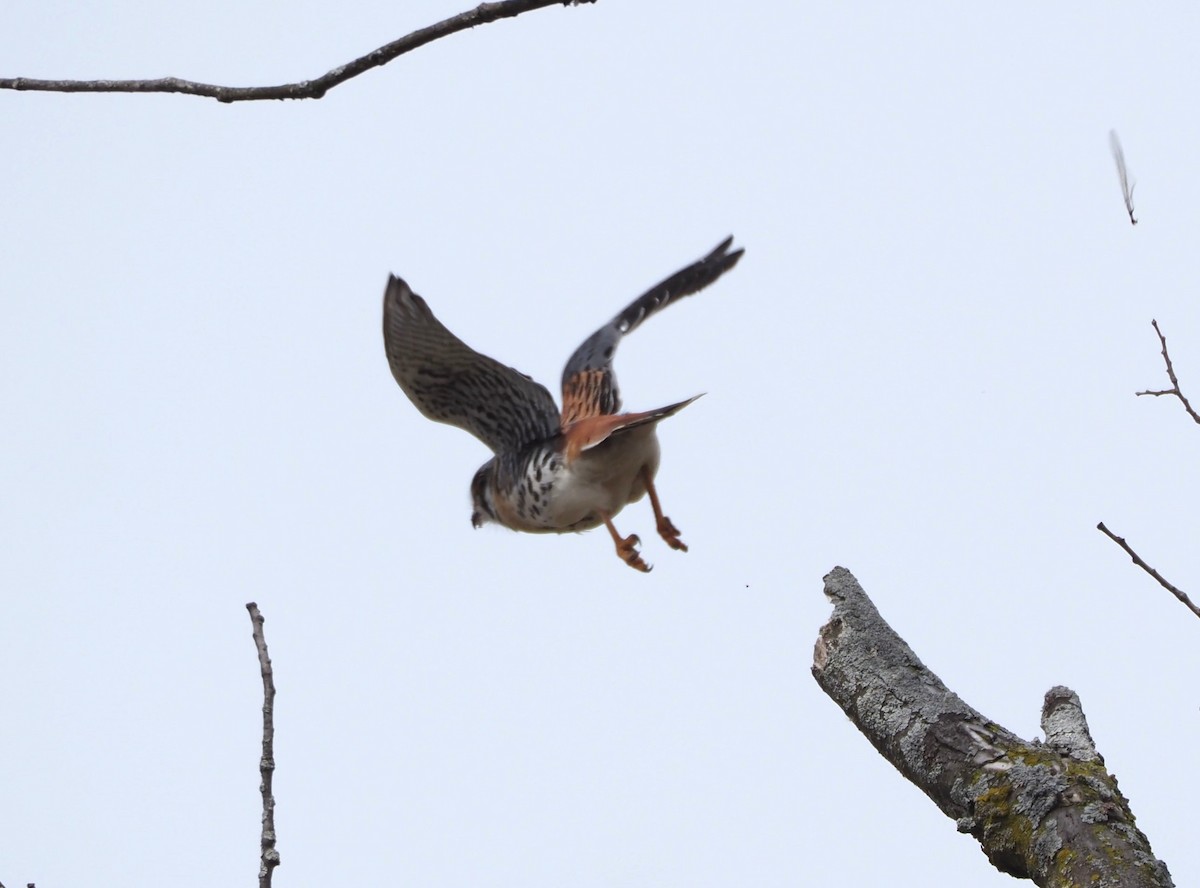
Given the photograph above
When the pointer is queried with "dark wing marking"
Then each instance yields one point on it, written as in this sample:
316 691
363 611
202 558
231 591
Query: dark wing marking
450 382
589 384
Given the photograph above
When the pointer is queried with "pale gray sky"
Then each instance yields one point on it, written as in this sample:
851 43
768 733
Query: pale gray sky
923 369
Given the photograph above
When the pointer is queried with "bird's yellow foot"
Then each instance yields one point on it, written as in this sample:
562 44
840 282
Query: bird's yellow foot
627 547
627 550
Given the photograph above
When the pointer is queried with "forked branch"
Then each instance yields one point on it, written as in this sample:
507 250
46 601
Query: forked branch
1174 389
1046 811
303 89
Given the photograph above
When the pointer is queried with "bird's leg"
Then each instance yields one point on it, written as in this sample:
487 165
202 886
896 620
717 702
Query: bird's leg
666 529
627 547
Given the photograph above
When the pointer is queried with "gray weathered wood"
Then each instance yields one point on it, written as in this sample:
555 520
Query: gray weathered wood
1049 811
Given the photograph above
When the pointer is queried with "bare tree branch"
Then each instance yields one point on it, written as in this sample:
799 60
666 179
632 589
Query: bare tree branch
1174 389
1122 173
1137 559
303 89
266 765
1049 812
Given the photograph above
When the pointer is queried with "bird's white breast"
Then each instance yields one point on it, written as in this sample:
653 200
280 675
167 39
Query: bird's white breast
599 481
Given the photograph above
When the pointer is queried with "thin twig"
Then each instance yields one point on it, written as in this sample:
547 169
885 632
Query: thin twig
303 89
1137 559
1122 173
1174 389
266 766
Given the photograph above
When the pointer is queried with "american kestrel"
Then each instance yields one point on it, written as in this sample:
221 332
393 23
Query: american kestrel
552 472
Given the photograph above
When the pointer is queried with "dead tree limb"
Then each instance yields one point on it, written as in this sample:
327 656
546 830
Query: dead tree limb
1162 581
1048 811
1174 389
269 858
303 89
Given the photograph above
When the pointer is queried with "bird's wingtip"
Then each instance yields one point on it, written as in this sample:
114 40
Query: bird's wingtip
401 295
723 253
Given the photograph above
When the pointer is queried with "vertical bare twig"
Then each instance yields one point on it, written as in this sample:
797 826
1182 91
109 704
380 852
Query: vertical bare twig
1122 173
1174 389
266 766
1137 559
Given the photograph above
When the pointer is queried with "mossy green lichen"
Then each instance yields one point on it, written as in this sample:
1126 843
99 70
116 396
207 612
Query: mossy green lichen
1021 805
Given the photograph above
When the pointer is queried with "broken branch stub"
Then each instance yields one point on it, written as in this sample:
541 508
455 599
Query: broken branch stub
1049 811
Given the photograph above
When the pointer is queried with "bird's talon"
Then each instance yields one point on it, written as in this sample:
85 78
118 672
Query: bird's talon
627 549
670 533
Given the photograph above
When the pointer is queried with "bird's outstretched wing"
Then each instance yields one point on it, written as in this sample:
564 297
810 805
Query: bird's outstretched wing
450 382
589 385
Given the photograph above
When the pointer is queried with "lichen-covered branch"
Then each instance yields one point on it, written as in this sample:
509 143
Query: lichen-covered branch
1049 811
1174 389
303 89
269 856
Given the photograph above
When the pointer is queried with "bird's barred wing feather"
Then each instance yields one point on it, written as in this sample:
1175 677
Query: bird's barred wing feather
450 382
589 385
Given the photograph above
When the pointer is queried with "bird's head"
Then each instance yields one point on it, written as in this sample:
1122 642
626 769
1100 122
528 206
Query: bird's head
482 509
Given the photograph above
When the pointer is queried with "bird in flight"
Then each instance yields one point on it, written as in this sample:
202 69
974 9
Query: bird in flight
552 471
